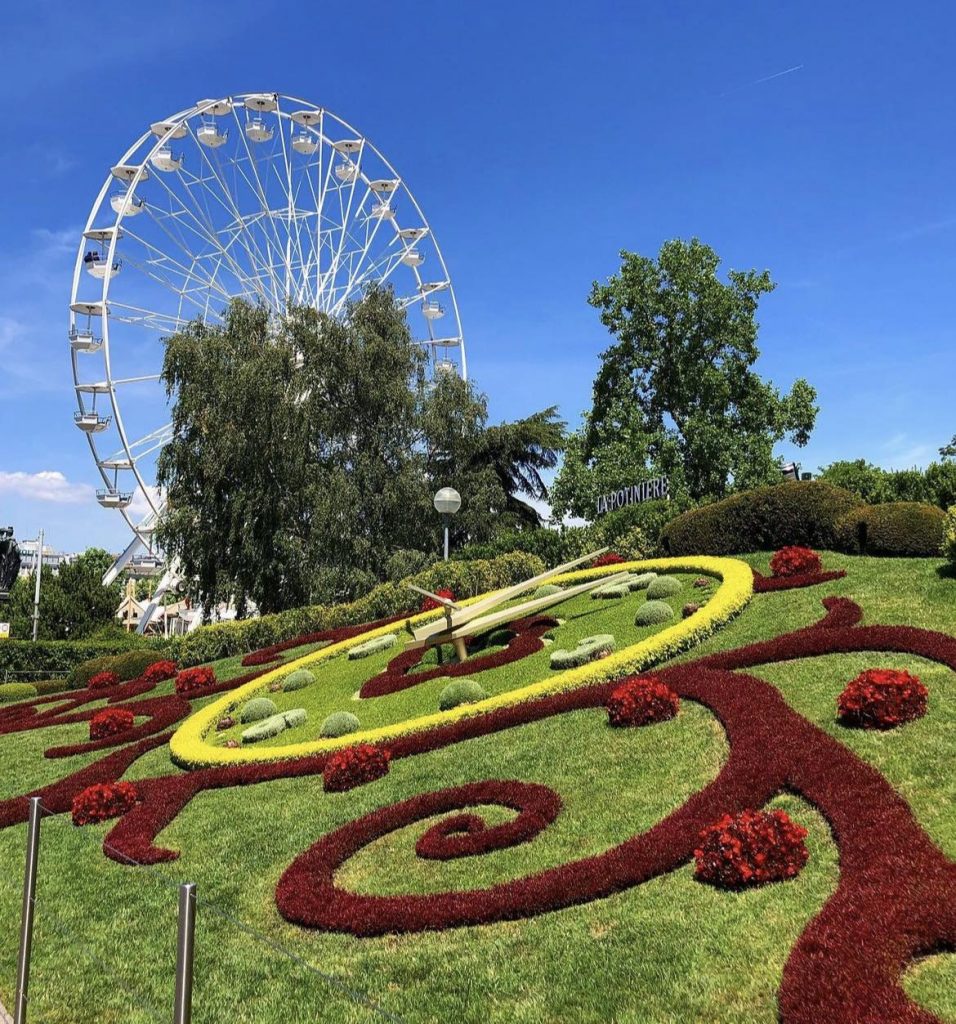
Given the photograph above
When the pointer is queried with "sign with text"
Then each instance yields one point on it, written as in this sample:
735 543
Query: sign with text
647 490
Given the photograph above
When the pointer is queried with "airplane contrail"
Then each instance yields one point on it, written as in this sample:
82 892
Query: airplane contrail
768 78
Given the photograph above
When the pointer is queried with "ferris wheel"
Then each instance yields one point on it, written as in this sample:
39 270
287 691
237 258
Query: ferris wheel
257 196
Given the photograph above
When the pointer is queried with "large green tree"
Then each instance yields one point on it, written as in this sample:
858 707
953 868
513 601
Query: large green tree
676 392
306 450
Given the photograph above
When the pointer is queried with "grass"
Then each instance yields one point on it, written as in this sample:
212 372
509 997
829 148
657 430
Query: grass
671 950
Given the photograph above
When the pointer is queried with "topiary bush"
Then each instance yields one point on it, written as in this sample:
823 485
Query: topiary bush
795 561
652 613
546 590
589 649
882 698
750 848
339 723
192 682
256 710
460 691
610 590
102 801
110 722
103 681
274 724
895 528
10 692
805 513
642 581
297 680
355 766
373 646
663 586
642 702
133 664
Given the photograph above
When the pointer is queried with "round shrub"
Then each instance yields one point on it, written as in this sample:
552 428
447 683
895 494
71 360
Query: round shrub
133 664
103 801
192 682
354 766
110 722
652 613
881 698
80 676
10 692
689 609
460 691
103 681
546 590
274 724
795 561
373 646
160 671
642 702
799 512
297 680
642 581
896 528
256 710
610 590
750 848
663 586
339 723
589 649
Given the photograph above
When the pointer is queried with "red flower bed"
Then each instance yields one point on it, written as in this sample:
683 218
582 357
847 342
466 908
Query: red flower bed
608 558
430 604
881 698
750 848
160 671
110 722
795 561
102 801
262 657
355 766
193 681
103 681
642 702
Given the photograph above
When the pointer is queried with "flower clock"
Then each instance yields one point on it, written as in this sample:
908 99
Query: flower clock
845 966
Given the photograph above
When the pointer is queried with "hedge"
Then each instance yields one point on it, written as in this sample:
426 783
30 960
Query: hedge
807 513
949 540
23 656
466 579
16 691
894 528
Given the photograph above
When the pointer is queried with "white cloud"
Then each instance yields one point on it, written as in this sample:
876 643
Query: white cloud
47 485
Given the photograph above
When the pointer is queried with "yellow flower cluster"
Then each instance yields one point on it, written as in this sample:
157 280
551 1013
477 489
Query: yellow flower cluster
190 749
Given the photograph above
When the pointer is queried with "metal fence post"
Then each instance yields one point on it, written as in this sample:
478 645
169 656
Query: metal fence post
29 906
183 1006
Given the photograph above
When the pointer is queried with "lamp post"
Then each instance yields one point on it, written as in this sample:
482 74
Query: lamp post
447 503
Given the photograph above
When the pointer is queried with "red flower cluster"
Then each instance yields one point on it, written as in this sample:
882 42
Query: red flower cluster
430 604
355 766
193 681
110 722
159 671
102 801
750 848
642 702
795 561
608 558
881 698
103 681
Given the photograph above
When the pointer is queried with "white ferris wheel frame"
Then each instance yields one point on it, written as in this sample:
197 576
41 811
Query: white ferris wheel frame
131 453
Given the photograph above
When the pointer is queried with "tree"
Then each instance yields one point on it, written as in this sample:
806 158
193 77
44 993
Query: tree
948 451
676 393
306 450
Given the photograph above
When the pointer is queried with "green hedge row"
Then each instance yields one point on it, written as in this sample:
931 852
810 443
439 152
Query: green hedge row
464 579
60 656
810 513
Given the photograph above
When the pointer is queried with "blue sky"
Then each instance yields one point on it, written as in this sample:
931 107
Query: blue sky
540 139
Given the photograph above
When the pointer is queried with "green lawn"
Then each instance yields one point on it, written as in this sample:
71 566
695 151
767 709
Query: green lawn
671 950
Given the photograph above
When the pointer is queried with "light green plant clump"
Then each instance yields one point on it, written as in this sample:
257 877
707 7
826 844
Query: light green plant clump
663 586
339 723
272 726
546 590
297 680
461 691
589 649
257 709
619 588
373 646
643 581
16 691
652 613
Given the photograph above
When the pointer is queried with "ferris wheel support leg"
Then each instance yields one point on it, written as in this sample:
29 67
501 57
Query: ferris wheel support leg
124 559
170 577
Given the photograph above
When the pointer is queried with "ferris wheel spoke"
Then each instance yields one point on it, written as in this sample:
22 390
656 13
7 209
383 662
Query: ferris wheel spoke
158 257
285 183
356 265
334 265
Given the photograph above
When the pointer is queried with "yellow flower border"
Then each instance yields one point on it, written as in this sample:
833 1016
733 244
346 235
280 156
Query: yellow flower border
190 750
